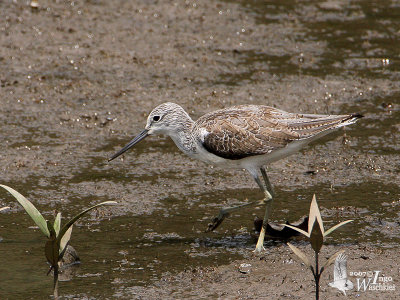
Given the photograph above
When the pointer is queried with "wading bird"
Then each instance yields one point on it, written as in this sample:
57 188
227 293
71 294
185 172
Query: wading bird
241 137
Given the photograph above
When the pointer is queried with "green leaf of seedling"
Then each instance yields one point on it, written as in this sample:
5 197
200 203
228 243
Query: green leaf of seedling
74 219
30 209
51 248
297 229
330 260
316 237
301 255
51 230
336 227
57 223
4 208
315 215
65 241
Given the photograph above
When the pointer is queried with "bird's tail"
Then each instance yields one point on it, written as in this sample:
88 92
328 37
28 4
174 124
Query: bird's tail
351 119
312 125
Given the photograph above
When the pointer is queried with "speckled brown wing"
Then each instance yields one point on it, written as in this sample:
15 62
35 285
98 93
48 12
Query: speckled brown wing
243 131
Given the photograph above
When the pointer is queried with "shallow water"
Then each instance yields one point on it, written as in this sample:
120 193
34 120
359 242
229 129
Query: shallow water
135 250
354 39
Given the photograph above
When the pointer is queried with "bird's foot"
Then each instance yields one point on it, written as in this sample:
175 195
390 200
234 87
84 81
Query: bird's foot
259 250
217 220
260 243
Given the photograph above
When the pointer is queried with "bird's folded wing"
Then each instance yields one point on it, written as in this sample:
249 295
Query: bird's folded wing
247 130
234 136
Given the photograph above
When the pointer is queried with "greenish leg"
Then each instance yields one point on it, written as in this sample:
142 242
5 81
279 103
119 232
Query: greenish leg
224 212
269 194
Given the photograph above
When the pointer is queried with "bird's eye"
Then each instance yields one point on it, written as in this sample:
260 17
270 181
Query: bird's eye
156 118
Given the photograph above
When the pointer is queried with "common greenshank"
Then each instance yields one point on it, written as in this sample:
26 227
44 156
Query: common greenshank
241 137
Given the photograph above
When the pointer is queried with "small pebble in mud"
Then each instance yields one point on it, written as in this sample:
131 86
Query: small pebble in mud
387 105
34 4
245 268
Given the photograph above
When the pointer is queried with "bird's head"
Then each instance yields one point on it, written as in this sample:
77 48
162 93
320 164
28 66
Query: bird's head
167 118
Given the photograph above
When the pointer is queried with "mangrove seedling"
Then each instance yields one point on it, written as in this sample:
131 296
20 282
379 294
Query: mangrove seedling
315 235
58 237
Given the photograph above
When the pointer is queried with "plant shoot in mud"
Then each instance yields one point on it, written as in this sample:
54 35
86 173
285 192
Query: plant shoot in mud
315 235
58 237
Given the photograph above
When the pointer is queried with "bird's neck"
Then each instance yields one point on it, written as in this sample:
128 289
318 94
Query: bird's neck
182 135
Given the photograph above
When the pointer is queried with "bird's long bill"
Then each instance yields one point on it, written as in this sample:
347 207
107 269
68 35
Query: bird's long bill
132 143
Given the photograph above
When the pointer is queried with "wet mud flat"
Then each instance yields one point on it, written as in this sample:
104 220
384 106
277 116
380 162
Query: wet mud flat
275 275
78 78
